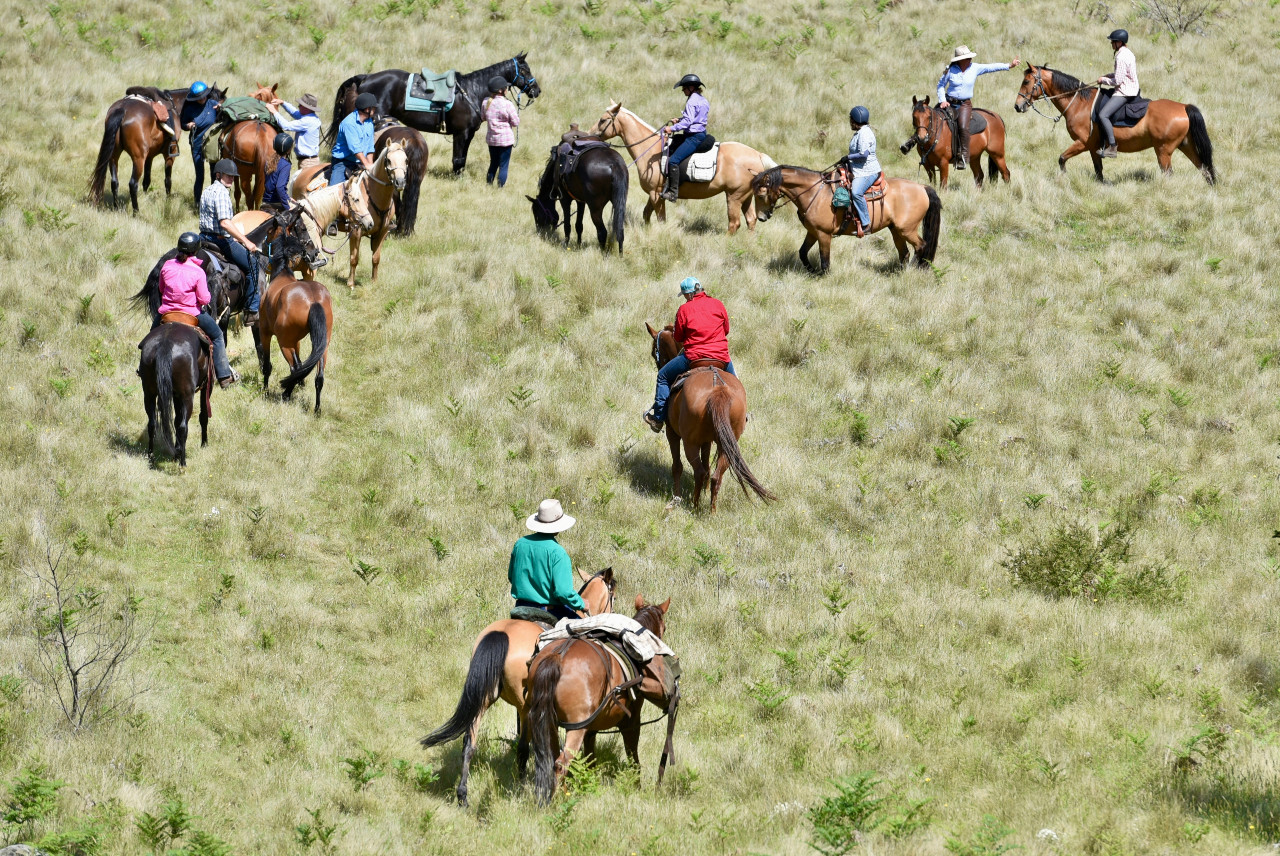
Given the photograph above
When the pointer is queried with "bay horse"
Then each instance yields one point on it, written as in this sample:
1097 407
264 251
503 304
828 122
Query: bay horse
737 164
132 126
250 145
415 150
462 120
291 311
174 365
905 209
500 670
932 138
599 177
575 684
711 407
1168 126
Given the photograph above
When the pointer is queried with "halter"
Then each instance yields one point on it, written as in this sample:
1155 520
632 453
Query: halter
522 83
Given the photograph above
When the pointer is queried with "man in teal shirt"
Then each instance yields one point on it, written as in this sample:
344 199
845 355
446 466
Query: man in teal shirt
354 143
540 571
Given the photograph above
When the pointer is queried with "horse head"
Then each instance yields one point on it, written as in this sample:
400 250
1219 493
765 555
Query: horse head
265 94
765 187
597 591
396 164
607 126
652 616
544 215
921 123
288 225
1033 87
356 201
524 79
665 347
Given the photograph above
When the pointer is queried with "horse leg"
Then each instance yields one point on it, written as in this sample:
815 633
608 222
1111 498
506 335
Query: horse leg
1164 157
181 419
660 207
149 402
944 169
975 164
677 466
602 231
735 220
264 359
146 174
133 180
375 247
572 743
1076 147
824 252
115 178
696 458
168 176
631 733
461 142
354 235
1097 165
469 741
589 745
722 463
900 243
567 204
749 212
582 210
648 209
810 239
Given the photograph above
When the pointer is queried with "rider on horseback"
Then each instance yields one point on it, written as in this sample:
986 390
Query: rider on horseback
702 327
217 227
199 112
955 88
693 122
863 164
184 288
277 191
1125 81
354 144
540 571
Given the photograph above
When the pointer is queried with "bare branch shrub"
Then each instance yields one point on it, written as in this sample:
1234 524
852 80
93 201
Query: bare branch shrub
83 642
1179 17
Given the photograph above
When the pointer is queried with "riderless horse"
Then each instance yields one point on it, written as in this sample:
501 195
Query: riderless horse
597 177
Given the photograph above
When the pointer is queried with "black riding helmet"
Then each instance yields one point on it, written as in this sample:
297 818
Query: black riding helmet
366 101
498 84
283 144
188 243
688 80
1121 36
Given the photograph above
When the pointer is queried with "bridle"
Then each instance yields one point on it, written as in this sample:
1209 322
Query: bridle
610 588
787 197
613 126
1039 93
932 139
522 83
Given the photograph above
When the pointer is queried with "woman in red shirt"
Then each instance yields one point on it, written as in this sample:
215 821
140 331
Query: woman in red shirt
702 327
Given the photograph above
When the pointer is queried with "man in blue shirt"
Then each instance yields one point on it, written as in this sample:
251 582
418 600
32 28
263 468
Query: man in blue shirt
199 112
277 183
955 89
305 126
354 144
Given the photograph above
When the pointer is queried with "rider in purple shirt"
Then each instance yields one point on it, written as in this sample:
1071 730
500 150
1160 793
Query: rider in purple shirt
693 124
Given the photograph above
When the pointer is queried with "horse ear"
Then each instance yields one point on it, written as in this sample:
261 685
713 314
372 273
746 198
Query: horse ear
926 101
914 101
607 576
649 327
530 198
639 602
274 86
665 605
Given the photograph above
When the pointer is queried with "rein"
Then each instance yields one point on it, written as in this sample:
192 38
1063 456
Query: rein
613 123
1045 96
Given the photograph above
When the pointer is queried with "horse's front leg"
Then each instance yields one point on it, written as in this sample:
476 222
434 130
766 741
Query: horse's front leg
824 252
353 235
810 239
168 176
375 247
1076 147
566 203
461 142
944 172
677 466
735 212
648 209
631 730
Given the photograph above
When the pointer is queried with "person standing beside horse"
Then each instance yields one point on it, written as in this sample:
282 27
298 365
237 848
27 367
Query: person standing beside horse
199 112
502 118
184 289
217 227
277 192
955 88
354 143
1125 81
540 571
304 124
693 124
702 327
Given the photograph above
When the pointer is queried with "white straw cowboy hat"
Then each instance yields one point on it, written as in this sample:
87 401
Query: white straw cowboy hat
550 518
963 52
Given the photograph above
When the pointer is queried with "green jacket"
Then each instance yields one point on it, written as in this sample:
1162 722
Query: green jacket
540 572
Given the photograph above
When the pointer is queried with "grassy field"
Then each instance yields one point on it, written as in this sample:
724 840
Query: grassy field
1022 572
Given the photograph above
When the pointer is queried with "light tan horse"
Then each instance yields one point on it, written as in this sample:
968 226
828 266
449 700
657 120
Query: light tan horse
736 165
1168 126
905 207
499 670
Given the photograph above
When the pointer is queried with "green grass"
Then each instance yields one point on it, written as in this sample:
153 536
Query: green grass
1082 357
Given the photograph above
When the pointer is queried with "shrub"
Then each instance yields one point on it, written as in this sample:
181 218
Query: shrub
838 820
32 798
987 840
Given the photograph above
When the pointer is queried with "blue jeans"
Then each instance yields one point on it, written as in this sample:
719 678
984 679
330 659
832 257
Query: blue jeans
686 148
341 168
499 160
221 367
243 259
667 376
859 190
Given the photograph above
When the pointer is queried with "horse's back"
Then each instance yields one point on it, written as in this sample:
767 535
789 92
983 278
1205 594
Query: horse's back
696 428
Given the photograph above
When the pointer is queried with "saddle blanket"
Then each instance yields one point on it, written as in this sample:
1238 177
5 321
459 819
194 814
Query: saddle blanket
637 641
1127 116
700 166
429 92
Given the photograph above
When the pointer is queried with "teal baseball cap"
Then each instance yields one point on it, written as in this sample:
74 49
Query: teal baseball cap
689 285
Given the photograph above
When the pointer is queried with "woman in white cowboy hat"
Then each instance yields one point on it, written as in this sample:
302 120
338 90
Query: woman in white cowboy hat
540 572
955 89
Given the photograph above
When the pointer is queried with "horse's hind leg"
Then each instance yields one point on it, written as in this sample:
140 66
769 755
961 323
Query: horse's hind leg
1164 157
582 210
899 243
698 458
204 412
602 231
567 204
469 751
115 178
138 167
589 745
149 402
168 176
181 421
146 175
677 466
722 463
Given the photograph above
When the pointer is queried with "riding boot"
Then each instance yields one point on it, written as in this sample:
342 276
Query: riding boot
963 114
672 190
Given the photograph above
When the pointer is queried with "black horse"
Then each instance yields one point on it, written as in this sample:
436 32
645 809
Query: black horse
174 366
599 177
415 148
462 120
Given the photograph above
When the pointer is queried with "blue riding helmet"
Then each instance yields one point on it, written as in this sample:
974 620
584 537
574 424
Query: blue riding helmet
860 114
197 89
689 285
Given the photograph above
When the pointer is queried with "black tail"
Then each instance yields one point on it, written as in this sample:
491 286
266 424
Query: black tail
1199 135
484 682
407 212
621 178
164 386
115 118
544 726
718 405
318 328
340 108
993 171
932 226
147 299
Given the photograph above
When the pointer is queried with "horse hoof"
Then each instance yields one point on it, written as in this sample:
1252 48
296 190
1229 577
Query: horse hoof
674 503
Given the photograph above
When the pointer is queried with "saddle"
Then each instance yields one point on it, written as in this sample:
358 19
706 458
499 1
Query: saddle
1127 116
701 165
696 367
165 117
842 193
569 151
640 654
429 92
977 124
540 617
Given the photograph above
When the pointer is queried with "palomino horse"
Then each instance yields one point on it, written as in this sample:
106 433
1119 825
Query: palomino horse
905 206
500 670
711 407
599 178
932 138
415 150
132 126
173 367
462 119
1168 126
249 144
576 685
736 166
292 310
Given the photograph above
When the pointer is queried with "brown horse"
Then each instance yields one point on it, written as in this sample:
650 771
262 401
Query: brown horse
932 138
249 144
132 126
292 310
1168 126
415 150
574 684
500 670
174 366
904 208
711 407
736 166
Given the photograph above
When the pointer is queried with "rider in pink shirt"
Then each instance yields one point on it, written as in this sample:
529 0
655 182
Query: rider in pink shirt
1125 81
185 288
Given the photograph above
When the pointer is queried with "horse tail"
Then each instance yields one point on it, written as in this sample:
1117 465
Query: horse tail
718 406
1199 135
318 327
407 216
164 387
115 118
621 179
993 172
484 682
339 107
148 297
544 726
932 226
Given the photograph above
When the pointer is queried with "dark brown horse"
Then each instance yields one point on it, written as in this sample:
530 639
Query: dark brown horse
132 126
249 144
711 407
292 310
932 138
599 177
500 670
415 150
1168 126
174 366
462 119
575 682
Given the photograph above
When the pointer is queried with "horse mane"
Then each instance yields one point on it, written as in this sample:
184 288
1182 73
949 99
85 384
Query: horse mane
490 69
649 617
1064 82
544 183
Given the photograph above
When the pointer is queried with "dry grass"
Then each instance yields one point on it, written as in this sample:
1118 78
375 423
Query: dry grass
1112 369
